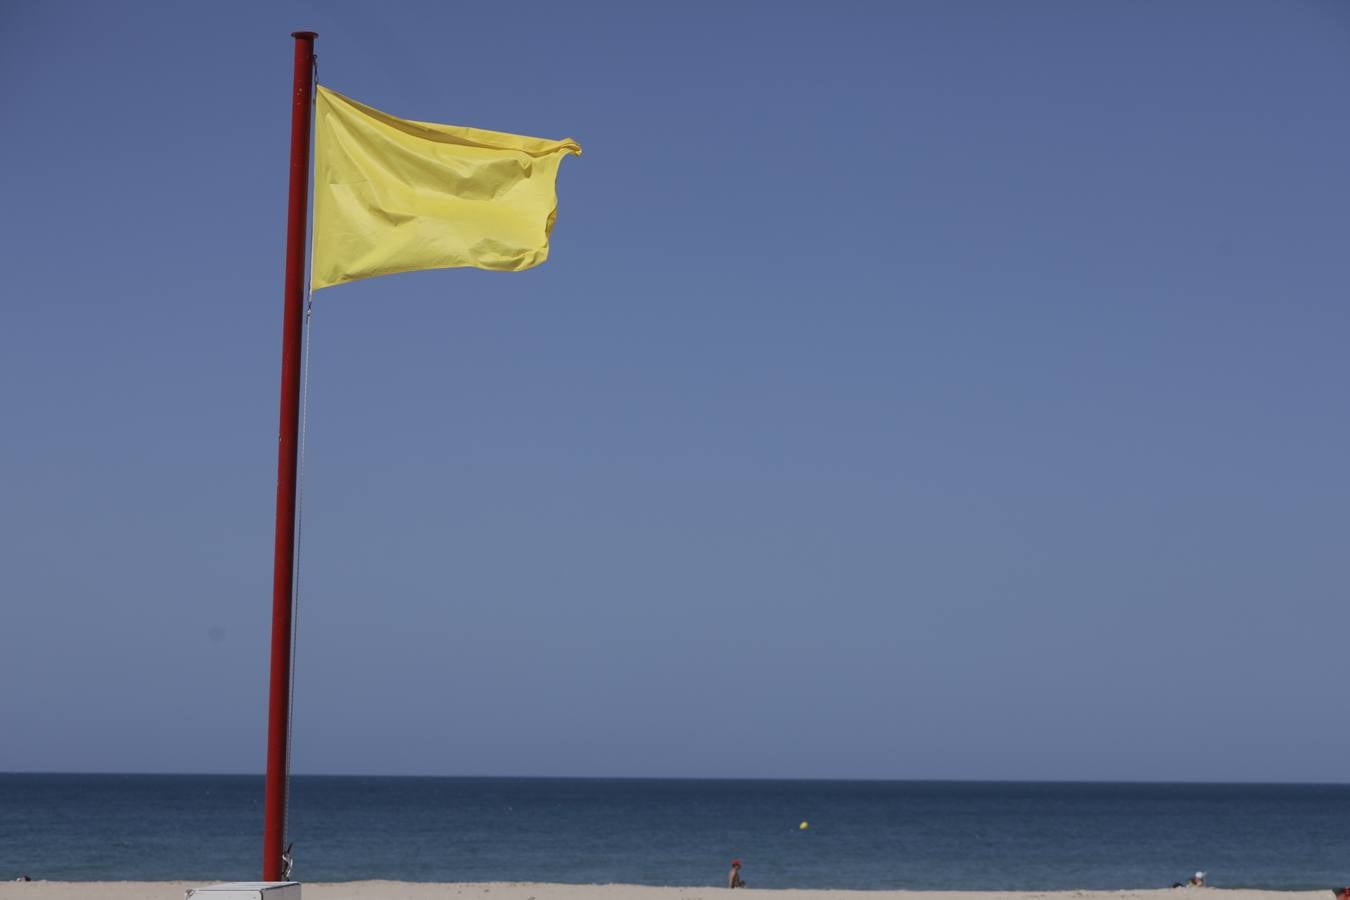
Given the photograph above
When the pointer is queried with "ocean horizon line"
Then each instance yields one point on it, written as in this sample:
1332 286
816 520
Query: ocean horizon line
1100 782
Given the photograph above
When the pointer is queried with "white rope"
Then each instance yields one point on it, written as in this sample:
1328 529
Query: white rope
287 859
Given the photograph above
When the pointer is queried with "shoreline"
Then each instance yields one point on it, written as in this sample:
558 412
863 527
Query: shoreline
517 890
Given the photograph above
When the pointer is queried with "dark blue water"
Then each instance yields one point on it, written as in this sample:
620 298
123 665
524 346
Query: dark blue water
861 835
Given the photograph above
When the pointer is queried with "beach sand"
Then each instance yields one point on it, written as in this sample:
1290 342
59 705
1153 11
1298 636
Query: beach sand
402 890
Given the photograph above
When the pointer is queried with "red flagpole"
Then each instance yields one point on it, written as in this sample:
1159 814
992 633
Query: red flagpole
283 569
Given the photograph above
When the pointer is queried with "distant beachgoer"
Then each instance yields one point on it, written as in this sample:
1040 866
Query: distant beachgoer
1197 880
23 878
1341 893
734 876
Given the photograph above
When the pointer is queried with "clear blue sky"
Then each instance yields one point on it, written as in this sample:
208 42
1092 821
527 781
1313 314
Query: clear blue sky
915 390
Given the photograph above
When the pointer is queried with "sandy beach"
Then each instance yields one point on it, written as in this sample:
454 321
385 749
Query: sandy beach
400 890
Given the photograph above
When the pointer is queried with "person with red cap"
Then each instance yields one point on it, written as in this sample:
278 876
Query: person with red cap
734 876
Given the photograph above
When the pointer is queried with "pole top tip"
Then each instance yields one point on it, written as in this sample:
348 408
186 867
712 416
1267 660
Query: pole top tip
304 35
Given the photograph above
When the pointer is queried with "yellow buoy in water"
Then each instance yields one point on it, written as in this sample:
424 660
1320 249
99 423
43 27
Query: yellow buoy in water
803 826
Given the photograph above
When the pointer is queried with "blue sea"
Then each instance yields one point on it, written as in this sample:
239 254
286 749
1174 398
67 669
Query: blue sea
860 834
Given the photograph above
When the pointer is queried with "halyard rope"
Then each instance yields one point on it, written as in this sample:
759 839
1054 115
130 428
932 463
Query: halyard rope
287 859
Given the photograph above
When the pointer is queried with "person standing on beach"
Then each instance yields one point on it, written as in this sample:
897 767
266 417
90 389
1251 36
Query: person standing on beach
734 876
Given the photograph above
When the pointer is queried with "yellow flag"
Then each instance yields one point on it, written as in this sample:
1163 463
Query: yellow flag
392 195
